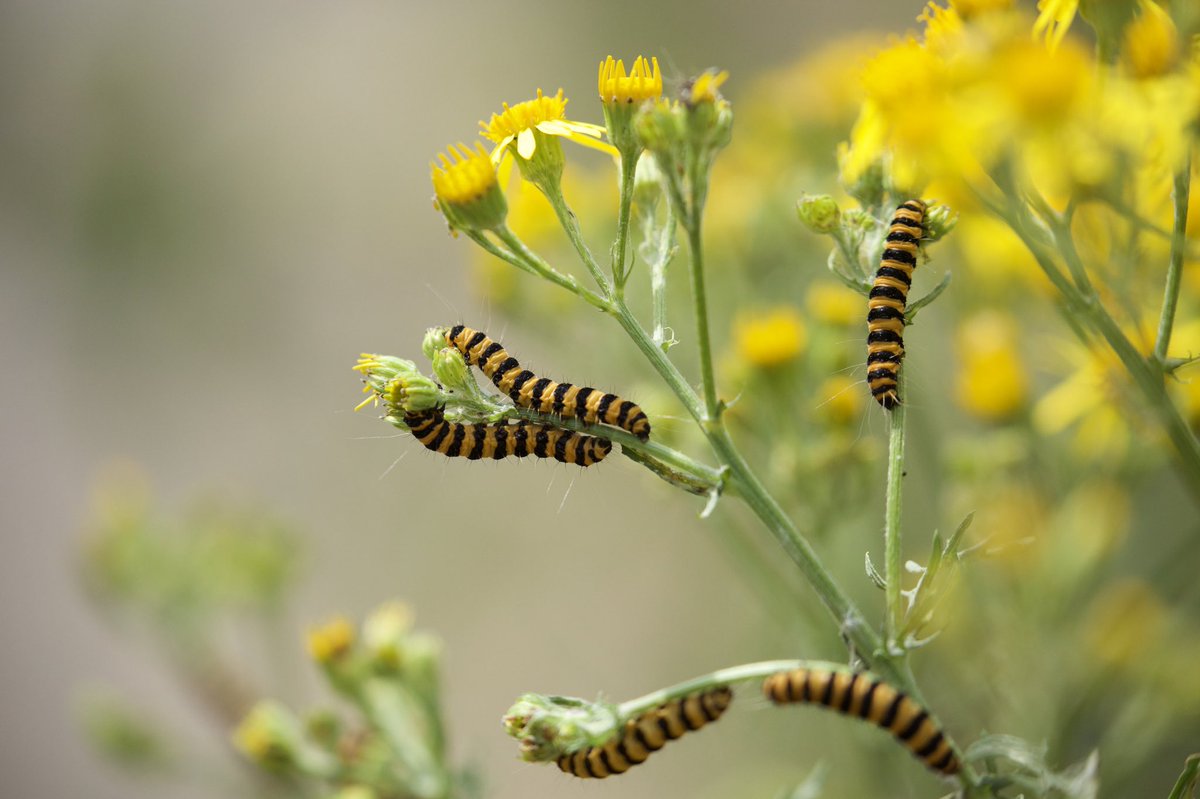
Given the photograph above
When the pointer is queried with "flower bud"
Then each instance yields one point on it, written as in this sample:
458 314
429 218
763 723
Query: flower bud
466 190
451 370
819 213
331 641
548 726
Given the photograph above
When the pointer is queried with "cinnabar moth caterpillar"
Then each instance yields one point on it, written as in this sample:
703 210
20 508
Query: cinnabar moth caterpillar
541 394
885 319
861 694
502 440
647 733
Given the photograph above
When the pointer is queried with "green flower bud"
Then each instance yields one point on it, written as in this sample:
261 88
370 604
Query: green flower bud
384 633
659 127
269 735
451 370
939 220
709 115
868 187
647 184
397 384
859 221
548 726
819 213
435 339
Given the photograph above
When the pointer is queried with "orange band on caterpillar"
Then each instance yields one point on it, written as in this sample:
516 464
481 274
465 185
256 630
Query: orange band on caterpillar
861 694
889 295
646 734
541 394
504 440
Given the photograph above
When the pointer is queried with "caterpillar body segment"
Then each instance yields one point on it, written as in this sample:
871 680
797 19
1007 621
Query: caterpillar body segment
541 394
504 439
887 300
861 694
646 734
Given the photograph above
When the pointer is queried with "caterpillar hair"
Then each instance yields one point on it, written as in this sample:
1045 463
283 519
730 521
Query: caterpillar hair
861 694
541 394
889 294
503 440
647 733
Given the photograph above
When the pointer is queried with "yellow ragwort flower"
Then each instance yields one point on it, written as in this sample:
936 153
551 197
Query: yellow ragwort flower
1151 42
772 338
644 81
463 177
834 304
1054 19
467 191
331 640
545 114
992 384
969 9
842 399
704 87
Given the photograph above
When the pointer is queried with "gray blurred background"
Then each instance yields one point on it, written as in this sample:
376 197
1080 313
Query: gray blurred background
207 210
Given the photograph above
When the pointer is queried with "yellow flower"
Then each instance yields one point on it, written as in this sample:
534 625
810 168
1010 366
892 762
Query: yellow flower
770 339
1054 19
542 114
968 9
644 81
1125 622
466 190
1151 42
992 383
1090 400
704 88
331 640
834 304
842 399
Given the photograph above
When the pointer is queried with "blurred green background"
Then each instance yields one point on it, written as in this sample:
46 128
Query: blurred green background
206 211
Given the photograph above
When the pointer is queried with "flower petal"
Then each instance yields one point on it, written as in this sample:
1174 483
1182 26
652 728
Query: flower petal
526 143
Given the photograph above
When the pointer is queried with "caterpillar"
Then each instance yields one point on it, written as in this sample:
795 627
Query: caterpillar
885 317
541 394
647 733
861 694
502 440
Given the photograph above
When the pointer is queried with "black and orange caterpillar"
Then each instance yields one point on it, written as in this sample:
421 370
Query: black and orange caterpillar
541 394
861 694
647 733
889 294
504 439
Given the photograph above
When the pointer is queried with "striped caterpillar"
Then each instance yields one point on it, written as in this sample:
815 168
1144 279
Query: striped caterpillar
541 394
889 294
858 693
502 440
647 733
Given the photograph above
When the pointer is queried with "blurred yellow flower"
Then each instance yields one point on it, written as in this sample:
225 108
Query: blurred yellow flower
991 383
1054 19
771 338
998 261
834 304
1090 400
968 9
704 87
1125 623
644 81
1151 42
384 632
331 640
842 399
547 115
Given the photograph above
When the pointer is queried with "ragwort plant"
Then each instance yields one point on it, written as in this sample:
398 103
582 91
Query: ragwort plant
1011 137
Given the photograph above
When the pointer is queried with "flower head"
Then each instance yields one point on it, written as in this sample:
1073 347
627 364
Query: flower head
992 385
644 81
522 122
1151 45
331 640
771 339
466 190
1054 19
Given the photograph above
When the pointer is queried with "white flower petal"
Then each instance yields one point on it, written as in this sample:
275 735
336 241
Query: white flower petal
526 143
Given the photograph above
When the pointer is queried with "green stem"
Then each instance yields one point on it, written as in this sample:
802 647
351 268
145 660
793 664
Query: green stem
619 272
1183 180
1146 374
570 224
894 620
522 257
700 308
715 679
1186 783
